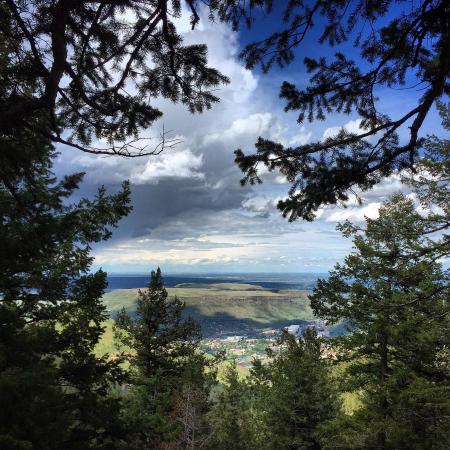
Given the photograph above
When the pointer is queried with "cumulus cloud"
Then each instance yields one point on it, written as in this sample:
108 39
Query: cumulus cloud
223 48
355 214
183 164
171 164
302 137
261 205
258 124
364 204
353 126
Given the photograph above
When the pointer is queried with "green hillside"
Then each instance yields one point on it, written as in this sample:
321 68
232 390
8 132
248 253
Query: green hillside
229 308
106 344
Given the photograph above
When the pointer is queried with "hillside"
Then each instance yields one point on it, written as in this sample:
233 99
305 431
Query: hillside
229 308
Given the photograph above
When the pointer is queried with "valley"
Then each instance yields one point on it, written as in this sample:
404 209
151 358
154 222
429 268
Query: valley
227 309
240 319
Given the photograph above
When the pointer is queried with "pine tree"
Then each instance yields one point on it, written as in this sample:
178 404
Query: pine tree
192 401
430 183
297 395
284 403
93 69
397 45
234 425
54 392
168 379
393 293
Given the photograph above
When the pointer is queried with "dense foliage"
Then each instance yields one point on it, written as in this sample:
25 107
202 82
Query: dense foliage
89 69
69 67
430 183
54 392
396 305
94 67
169 391
392 293
284 404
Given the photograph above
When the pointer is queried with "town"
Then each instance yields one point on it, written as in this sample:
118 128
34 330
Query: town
244 349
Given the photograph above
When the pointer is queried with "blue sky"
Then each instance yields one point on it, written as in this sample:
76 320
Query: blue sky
190 212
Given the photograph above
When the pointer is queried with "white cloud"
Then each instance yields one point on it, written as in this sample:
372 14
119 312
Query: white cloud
361 204
247 129
176 163
261 204
353 126
355 214
182 164
302 137
189 208
223 48
230 239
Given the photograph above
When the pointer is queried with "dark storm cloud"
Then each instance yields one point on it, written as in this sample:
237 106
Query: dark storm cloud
155 205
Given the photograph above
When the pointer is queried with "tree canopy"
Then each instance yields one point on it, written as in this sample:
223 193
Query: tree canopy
55 392
402 45
93 69
170 377
74 72
393 294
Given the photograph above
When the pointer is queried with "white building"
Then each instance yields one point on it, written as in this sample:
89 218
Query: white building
317 325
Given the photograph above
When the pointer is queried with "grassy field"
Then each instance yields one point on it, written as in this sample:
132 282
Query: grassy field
106 344
237 300
203 294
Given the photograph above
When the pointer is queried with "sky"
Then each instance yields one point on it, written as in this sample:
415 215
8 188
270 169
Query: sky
190 213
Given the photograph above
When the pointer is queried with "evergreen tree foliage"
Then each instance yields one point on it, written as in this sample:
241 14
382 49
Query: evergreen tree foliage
282 404
169 383
393 293
297 394
54 392
234 420
94 67
401 44
430 183
192 401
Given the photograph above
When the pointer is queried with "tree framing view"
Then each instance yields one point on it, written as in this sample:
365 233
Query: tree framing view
162 136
